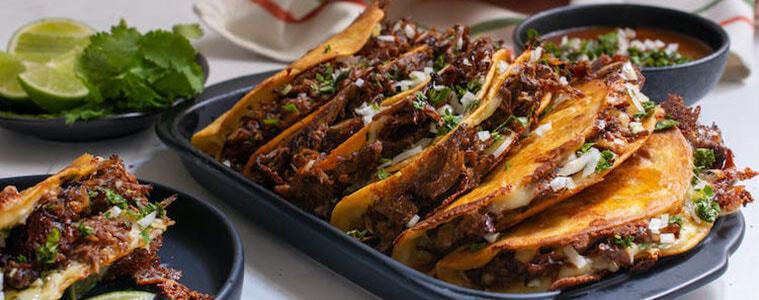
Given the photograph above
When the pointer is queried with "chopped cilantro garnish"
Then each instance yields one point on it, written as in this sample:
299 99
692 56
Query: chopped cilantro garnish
144 235
327 48
607 160
83 229
359 234
421 100
113 198
449 122
665 124
706 209
290 107
585 148
625 242
22 259
477 246
46 253
375 106
439 95
703 158
472 105
648 110
439 63
474 86
382 174
676 219
271 121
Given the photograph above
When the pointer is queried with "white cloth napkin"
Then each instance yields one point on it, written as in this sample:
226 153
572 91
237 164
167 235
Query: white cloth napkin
285 29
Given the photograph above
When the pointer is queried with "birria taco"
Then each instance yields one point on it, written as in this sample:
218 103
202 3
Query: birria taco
305 85
91 221
577 143
650 207
440 173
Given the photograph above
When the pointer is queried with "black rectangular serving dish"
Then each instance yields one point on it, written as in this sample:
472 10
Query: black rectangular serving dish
381 275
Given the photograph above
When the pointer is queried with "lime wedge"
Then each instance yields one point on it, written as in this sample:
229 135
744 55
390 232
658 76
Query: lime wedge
53 85
10 67
45 39
124 295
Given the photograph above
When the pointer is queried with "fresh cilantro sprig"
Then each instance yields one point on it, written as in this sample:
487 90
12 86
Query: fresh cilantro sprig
127 71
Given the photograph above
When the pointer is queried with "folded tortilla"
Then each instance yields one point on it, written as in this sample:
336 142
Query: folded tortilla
583 140
439 173
212 138
647 189
17 206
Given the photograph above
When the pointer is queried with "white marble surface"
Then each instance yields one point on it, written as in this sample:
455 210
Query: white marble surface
274 269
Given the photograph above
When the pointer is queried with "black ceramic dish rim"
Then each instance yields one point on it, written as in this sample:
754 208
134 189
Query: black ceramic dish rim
237 261
200 59
167 130
718 31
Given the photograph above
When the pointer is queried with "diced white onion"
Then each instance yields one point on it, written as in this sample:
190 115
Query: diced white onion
636 127
563 80
386 38
560 182
433 128
415 149
147 220
288 87
502 66
583 57
417 77
505 143
664 220
483 135
587 161
466 62
575 258
360 82
491 237
459 43
367 112
410 31
628 72
667 238
654 225
445 109
542 129
636 96
671 48
429 70
535 54
115 211
413 221
467 99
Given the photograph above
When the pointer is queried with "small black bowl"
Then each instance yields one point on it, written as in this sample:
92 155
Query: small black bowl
203 244
108 127
692 80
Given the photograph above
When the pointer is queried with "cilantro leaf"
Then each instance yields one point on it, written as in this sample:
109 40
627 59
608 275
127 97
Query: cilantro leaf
665 124
190 31
703 158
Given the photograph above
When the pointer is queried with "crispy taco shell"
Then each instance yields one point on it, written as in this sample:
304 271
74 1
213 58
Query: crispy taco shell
16 207
211 139
521 186
654 181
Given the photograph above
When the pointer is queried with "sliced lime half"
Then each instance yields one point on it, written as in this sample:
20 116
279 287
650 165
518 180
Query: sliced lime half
45 39
124 295
10 67
53 85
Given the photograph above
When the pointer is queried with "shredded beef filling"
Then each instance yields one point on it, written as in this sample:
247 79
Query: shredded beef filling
72 224
306 92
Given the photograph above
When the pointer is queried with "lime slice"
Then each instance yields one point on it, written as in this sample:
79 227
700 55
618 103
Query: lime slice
53 85
45 39
10 67
124 295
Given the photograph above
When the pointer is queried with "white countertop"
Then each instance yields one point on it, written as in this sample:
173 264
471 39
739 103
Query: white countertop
273 268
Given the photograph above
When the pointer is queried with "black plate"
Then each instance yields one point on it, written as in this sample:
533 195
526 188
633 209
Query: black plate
691 80
381 274
209 253
81 131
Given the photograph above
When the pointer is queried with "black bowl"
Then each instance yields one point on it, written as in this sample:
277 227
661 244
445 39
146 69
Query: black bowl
692 80
82 131
203 244
377 272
